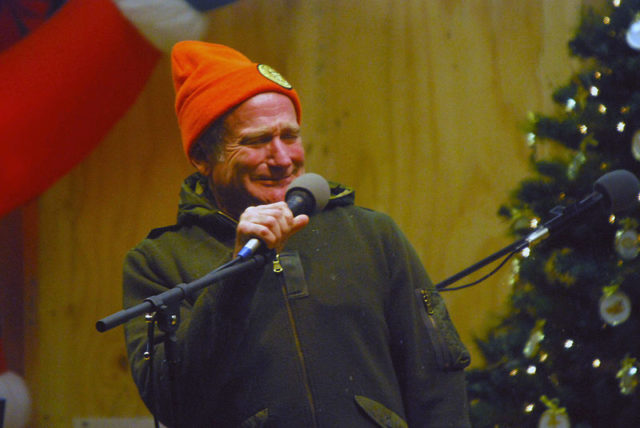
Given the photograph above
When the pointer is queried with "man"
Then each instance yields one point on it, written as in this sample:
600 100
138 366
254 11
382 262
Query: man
342 329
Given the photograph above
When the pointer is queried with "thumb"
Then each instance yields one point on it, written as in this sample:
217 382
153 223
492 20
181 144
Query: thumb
299 222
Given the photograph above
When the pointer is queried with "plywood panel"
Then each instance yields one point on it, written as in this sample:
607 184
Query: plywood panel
415 103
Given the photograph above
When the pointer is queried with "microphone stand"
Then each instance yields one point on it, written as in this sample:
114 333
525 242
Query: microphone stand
164 309
562 217
510 249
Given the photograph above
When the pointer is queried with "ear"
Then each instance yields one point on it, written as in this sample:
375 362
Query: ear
203 166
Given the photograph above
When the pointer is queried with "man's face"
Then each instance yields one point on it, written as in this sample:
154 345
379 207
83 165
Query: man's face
262 154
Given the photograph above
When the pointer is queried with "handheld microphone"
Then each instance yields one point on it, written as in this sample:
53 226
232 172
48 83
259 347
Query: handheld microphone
307 194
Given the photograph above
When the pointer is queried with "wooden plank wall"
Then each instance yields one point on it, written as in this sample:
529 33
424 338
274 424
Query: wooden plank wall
417 104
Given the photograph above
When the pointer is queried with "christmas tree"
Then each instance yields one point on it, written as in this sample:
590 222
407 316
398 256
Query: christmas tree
566 351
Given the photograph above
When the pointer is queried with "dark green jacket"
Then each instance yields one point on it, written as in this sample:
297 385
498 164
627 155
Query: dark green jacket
350 333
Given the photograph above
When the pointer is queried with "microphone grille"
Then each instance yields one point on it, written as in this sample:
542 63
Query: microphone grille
316 186
621 188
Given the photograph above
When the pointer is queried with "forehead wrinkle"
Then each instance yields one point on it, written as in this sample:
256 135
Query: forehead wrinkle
258 131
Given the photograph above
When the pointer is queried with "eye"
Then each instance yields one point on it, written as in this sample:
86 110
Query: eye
256 141
290 135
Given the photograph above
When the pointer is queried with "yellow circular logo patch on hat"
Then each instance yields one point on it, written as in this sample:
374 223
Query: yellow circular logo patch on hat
273 75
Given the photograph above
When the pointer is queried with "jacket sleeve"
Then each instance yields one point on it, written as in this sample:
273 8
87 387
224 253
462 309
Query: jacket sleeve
428 355
209 329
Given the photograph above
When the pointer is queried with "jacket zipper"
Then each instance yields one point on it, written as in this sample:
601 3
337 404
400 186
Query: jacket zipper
278 269
443 355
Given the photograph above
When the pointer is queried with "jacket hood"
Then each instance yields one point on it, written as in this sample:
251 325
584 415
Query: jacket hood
197 203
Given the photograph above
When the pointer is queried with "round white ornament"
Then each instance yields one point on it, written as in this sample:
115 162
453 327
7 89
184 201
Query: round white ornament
615 308
627 244
633 36
553 418
635 145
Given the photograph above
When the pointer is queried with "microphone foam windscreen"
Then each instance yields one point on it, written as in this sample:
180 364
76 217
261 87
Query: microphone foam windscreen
621 188
314 184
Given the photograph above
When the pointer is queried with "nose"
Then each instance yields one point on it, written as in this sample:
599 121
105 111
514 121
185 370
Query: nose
279 153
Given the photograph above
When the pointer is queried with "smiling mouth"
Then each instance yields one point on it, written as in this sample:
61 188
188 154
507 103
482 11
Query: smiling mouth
275 181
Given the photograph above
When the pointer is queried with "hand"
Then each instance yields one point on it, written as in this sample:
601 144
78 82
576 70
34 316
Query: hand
273 224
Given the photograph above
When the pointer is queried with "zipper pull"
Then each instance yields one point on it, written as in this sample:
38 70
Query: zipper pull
277 267
426 298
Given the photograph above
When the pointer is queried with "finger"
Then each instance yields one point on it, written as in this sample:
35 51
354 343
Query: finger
268 223
273 224
299 222
277 217
247 230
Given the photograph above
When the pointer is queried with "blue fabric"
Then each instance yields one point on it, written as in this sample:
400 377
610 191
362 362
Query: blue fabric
204 5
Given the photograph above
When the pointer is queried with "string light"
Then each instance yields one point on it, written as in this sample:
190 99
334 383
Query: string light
568 344
531 370
529 408
531 139
616 3
583 129
620 126
571 104
594 91
602 108
596 363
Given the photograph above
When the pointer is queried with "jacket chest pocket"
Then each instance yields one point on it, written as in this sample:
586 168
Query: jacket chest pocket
290 267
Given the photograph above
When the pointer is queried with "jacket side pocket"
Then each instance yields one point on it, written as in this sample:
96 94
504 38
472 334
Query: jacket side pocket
451 354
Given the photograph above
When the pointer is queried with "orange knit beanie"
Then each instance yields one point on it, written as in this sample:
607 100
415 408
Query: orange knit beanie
210 79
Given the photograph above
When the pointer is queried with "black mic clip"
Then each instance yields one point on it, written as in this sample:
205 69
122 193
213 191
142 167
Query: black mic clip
562 215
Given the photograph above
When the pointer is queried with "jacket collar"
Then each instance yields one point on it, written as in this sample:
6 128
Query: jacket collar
197 203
